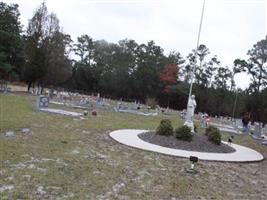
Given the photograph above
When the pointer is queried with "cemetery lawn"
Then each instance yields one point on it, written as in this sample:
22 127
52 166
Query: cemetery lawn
63 158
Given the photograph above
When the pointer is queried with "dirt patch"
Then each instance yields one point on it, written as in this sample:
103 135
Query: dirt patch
199 143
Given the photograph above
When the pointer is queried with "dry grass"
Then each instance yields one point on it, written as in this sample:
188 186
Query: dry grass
67 159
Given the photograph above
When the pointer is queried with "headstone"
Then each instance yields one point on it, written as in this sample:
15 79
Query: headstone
119 106
42 102
258 129
8 89
264 130
10 134
238 124
98 98
51 93
25 131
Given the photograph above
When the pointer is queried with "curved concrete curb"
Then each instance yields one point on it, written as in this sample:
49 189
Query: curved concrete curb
130 137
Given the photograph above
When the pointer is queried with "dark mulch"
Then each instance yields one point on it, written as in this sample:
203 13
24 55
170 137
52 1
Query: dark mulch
199 143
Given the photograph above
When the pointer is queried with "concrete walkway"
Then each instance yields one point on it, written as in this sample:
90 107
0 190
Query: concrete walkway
130 137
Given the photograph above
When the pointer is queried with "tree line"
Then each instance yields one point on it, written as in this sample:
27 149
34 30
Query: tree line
44 56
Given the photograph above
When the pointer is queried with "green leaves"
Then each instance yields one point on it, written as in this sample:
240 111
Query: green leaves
255 66
10 39
47 50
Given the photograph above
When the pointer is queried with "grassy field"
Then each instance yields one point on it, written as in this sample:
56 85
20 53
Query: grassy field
64 158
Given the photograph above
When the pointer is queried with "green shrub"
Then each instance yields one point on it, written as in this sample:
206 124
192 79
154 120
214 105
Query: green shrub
195 128
165 127
214 135
210 129
184 133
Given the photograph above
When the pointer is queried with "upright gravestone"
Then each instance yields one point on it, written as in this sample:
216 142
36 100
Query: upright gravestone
258 129
238 125
264 131
98 98
42 102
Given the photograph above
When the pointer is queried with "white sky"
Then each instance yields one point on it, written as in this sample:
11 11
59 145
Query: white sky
229 30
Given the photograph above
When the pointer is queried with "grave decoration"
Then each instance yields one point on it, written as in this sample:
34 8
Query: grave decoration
94 113
85 112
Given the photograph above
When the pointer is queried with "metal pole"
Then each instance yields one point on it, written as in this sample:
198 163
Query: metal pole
189 118
195 55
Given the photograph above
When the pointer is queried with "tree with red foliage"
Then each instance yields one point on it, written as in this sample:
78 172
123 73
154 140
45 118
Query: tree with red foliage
168 77
169 74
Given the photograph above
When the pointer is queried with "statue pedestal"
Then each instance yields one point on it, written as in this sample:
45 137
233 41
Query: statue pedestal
190 124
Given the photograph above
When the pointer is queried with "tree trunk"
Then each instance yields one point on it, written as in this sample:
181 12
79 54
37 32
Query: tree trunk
29 85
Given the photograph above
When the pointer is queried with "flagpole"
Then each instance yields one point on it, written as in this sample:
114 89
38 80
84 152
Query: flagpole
189 115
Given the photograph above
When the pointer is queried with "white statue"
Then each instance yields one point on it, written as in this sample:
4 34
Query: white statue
191 105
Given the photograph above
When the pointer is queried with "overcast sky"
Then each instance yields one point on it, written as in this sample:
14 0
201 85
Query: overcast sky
230 27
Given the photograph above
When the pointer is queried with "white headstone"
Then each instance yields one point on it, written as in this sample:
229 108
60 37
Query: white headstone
264 130
10 134
25 131
258 129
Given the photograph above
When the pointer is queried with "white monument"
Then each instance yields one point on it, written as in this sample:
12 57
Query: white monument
191 105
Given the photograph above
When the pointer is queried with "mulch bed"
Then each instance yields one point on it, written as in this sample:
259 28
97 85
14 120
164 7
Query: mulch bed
199 143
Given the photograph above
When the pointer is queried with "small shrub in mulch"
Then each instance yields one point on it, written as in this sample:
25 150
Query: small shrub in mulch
195 128
165 128
214 135
210 129
184 133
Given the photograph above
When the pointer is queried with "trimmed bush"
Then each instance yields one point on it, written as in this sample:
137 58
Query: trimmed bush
195 128
214 135
165 128
184 133
210 129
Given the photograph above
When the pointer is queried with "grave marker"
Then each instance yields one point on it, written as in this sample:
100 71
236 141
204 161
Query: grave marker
258 129
42 102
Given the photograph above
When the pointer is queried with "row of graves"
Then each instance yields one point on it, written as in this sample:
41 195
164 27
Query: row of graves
257 130
135 108
76 100
4 87
90 103
42 104
70 100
